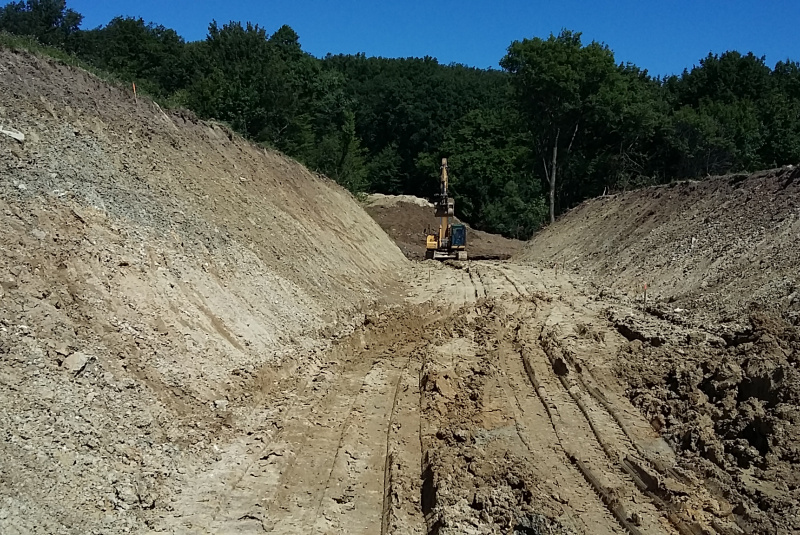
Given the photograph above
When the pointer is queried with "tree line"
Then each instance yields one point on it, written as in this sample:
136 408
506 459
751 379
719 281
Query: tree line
560 122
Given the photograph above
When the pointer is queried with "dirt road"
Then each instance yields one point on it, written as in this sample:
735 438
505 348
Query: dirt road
483 405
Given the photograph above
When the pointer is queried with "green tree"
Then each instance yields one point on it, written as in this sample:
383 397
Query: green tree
492 189
339 156
261 86
727 77
336 150
781 114
49 21
384 170
731 113
149 54
716 138
564 89
404 109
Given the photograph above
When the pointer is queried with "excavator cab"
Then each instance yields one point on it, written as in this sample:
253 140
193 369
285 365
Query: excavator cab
458 236
452 247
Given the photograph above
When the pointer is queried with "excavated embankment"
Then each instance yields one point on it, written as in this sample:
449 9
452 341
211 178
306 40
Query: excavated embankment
714 348
150 264
713 247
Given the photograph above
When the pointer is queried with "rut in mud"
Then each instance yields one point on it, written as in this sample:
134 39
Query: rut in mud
468 413
520 436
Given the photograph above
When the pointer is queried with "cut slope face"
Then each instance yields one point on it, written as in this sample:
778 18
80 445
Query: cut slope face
712 246
712 355
150 263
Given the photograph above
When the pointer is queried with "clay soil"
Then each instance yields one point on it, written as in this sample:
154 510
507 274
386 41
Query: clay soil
712 358
198 336
407 220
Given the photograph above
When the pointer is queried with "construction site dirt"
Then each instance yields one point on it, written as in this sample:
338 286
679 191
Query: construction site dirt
200 336
406 219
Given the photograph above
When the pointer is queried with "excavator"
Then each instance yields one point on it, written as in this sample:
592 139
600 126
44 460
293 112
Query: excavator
450 242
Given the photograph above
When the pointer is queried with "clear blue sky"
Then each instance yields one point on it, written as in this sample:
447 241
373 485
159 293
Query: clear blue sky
661 36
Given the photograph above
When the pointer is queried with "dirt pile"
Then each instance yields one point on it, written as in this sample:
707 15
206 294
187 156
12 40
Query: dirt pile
407 219
150 265
712 355
712 247
730 404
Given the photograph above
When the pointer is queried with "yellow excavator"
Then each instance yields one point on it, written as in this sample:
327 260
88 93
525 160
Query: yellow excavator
450 243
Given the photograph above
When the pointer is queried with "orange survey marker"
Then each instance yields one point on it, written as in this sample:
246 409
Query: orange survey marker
134 92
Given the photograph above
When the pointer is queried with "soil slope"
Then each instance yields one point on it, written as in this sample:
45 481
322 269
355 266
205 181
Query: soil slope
713 246
714 353
150 265
406 219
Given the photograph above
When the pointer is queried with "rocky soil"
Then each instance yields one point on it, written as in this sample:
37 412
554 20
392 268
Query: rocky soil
712 352
150 266
198 336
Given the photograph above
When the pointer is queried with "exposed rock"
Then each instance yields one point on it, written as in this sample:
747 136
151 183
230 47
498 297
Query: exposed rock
75 362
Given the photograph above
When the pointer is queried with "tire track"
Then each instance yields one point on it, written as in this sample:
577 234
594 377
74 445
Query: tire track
474 285
588 514
343 475
354 493
617 439
348 454
596 459
322 466
519 288
228 487
480 278
402 511
601 487
476 282
387 465
499 283
304 459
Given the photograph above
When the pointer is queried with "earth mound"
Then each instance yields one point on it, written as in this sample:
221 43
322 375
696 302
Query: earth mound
712 353
150 265
407 219
712 247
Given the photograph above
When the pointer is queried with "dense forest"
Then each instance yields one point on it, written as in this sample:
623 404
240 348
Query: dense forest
562 120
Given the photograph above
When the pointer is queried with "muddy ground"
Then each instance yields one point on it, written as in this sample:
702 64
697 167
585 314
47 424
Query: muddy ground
712 361
198 336
487 409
